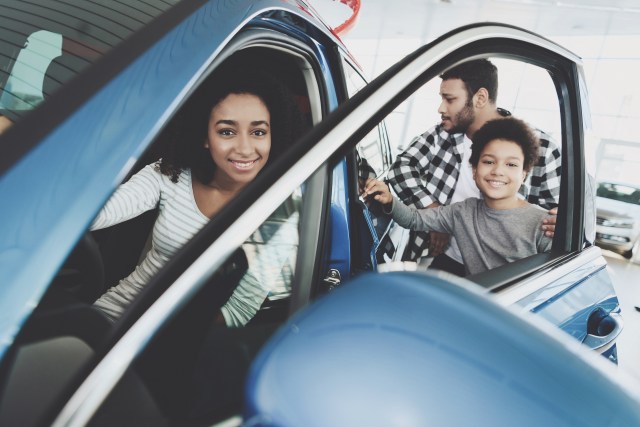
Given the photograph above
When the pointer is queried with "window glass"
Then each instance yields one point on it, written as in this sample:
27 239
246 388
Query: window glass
354 80
373 158
271 253
436 164
373 150
24 87
45 43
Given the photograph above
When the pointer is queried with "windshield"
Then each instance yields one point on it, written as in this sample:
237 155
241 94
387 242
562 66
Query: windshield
45 43
620 192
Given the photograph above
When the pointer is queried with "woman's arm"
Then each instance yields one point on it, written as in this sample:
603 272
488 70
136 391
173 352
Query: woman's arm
136 196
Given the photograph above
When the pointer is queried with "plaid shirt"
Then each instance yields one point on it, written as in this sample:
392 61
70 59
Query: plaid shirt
427 172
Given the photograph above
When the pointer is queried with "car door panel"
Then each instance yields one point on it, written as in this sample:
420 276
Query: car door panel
572 297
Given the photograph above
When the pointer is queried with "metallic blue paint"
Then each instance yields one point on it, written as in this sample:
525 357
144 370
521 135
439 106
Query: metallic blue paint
339 248
568 302
382 351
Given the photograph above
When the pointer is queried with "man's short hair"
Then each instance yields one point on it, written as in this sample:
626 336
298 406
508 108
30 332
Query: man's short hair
476 74
509 129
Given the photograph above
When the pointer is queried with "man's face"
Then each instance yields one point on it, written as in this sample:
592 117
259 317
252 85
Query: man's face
455 109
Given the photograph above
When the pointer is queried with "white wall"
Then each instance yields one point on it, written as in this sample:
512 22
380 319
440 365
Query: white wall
605 34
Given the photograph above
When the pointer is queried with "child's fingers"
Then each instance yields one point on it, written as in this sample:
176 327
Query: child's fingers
371 186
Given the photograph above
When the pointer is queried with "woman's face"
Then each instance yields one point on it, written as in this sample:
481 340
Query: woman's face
239 138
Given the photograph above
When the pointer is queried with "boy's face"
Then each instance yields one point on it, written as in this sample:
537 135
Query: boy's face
499 173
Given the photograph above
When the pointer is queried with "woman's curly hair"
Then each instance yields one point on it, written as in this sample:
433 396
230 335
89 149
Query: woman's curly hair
510 129
188 136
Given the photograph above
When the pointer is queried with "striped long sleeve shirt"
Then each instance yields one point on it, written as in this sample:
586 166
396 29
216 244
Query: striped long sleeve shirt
178 220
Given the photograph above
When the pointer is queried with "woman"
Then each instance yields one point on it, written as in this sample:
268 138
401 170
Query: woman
231 131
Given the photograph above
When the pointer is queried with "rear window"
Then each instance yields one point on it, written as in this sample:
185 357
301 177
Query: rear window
45 43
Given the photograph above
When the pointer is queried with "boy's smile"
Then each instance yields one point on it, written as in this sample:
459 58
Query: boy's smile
499 174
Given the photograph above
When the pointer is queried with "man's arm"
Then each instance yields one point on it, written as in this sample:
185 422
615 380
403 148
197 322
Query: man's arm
545 181
409 169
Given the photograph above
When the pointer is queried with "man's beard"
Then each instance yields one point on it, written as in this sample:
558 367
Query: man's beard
463 120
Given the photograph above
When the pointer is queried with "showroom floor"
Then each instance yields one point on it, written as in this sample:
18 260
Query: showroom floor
626 280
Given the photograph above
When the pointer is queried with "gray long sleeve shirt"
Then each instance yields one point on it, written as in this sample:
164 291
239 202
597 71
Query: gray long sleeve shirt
488 238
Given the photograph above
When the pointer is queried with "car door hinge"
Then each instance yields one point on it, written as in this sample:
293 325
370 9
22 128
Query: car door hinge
332 280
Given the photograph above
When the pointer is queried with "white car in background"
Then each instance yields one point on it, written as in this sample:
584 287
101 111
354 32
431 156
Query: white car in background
618 217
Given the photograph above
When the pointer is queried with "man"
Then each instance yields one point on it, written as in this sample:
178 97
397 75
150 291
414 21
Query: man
435 170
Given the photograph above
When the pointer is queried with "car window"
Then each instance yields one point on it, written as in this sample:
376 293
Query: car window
374 148
372 160
525 91
44 44
271 253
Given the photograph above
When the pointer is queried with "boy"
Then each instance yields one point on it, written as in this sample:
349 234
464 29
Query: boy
498 228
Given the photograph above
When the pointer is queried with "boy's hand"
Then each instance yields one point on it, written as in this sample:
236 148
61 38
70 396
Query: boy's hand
378 190
549 223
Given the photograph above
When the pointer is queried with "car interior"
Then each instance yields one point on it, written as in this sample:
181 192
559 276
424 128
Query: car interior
161 385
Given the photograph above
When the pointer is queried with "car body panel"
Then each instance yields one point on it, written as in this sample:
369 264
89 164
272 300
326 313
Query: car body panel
569 296
384 345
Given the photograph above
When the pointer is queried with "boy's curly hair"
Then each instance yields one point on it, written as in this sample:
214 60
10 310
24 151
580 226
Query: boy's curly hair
510 129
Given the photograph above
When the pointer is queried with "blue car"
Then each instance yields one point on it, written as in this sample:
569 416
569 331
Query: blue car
90 92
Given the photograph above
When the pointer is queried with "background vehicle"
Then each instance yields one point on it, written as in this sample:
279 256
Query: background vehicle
104 107
618 217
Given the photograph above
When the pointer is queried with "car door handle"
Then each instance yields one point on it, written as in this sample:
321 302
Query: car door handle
604 336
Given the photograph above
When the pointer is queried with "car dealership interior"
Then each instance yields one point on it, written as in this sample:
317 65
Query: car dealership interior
605 34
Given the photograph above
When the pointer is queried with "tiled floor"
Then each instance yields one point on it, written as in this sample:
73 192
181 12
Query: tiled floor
626 280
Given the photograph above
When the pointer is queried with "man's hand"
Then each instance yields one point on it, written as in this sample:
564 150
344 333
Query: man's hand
438 242
549 223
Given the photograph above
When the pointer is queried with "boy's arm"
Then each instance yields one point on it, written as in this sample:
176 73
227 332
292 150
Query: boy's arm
546 174
434 219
